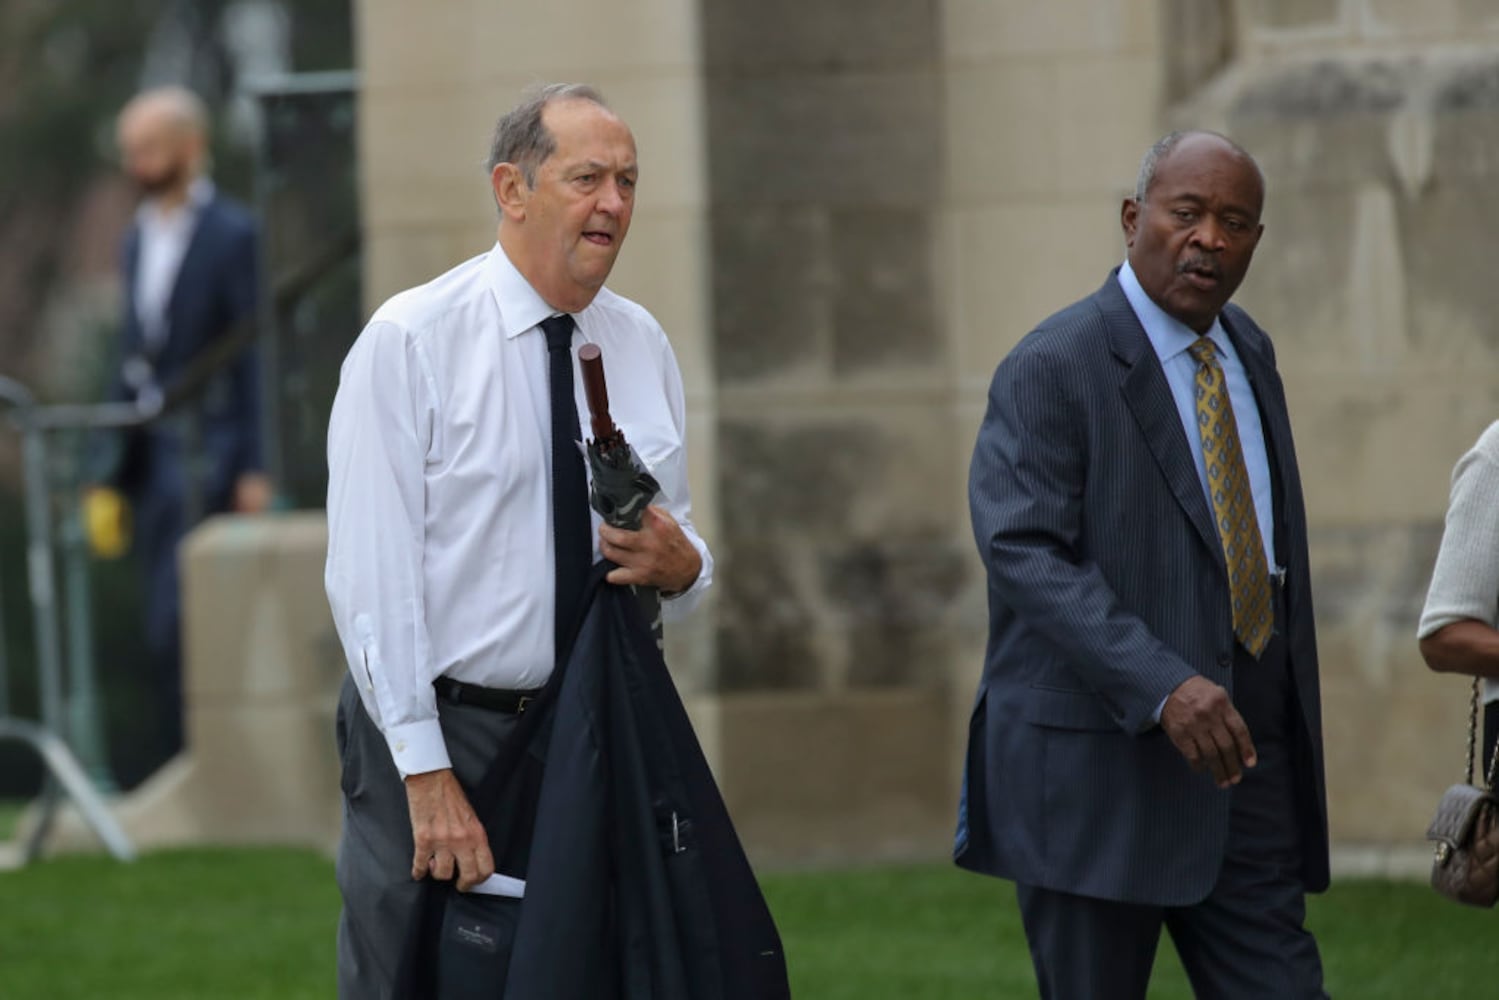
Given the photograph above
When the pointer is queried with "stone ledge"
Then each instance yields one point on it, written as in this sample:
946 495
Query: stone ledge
1392 861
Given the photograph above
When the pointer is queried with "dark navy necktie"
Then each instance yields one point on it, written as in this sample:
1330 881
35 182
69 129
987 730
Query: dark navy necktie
570 522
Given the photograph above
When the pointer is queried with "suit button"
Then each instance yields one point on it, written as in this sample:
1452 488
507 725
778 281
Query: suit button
1225 661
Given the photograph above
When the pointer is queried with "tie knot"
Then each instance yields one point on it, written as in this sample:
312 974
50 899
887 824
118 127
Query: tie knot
559 331
1204 352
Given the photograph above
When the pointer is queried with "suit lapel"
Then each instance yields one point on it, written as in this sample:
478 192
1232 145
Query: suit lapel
1149 398
194 260
1274 419
132 266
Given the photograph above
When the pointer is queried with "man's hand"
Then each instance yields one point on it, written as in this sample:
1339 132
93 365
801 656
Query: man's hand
252 493
658 555
446 831
1208 730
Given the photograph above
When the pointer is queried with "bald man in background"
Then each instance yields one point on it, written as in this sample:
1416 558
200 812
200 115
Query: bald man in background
189 268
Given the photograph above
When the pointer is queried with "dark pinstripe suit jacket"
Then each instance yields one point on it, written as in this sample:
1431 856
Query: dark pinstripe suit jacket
1107 589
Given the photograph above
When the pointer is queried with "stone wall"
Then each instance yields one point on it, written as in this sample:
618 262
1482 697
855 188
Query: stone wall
836 440
851 210
1049 107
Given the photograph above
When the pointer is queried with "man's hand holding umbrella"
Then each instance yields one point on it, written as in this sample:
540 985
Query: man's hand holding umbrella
651 552
657 555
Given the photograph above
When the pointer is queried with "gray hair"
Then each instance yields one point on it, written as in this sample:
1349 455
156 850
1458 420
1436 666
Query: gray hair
1168 142
521 138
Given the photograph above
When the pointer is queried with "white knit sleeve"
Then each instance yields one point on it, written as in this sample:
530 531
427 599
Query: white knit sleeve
1465 582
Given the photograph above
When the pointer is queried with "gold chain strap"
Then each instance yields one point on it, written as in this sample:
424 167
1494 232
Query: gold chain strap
1473 744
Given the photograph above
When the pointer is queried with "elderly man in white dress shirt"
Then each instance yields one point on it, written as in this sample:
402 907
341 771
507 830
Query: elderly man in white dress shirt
440 565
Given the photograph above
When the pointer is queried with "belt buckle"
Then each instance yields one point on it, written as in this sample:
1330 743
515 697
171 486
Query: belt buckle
523 701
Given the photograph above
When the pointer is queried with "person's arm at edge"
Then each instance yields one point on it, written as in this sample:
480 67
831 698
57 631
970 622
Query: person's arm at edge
1456 633
1463 647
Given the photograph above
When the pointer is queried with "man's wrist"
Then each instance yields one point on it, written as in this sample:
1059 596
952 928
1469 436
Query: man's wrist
678 591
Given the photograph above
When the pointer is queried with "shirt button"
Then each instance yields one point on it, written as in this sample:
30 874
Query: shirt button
1225 661
400 746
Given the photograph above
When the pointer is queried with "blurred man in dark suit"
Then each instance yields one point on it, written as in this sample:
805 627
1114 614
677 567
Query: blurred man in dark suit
190 264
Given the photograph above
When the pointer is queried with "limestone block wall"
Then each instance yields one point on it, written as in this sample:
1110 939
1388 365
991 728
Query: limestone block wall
1048 109
1377 124
835 435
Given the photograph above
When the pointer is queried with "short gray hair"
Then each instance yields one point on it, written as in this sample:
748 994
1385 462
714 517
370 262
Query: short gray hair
1168 142
521 138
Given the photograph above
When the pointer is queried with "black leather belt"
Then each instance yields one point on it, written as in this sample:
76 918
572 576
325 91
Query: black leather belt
494 699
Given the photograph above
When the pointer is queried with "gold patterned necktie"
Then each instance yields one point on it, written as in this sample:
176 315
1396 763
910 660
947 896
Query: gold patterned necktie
1233 502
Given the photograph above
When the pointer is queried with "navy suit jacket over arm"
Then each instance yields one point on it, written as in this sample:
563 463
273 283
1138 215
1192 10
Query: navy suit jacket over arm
1106 590
637 887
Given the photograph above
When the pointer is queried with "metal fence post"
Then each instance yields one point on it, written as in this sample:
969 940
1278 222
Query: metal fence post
64 775
85 722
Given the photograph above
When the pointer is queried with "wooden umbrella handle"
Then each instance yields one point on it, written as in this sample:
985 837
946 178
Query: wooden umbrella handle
592 361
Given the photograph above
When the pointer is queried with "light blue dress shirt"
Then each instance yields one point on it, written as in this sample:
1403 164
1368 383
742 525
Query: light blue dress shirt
1171 338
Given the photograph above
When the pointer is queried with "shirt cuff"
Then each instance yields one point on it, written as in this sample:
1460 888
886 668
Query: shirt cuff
675 607
1156 715
418 747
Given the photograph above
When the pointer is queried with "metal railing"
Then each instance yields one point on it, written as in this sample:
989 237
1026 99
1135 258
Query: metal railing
77 713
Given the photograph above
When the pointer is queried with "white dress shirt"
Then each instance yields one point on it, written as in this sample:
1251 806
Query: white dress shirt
440 558
165 236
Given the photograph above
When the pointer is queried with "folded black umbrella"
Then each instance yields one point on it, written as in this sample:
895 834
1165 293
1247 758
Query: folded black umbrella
622 485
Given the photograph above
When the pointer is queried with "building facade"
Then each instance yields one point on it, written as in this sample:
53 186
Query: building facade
850 210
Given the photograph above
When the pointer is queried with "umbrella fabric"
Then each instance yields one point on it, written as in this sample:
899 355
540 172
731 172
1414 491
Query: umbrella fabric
622 489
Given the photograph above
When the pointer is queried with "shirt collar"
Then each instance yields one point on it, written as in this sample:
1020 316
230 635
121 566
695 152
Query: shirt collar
521 308
200 192
1168 335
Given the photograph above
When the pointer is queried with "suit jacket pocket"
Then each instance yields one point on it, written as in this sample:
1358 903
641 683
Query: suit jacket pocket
473 952
1067 709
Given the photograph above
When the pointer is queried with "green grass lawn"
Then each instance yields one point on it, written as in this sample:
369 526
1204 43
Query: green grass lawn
209 924
10 812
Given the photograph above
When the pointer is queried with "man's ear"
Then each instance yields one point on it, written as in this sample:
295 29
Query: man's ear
1129 220
511 193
